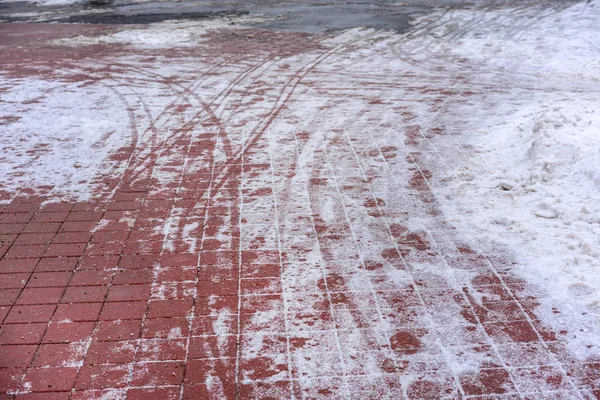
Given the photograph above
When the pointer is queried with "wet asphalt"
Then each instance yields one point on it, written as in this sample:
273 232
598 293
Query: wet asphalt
299 16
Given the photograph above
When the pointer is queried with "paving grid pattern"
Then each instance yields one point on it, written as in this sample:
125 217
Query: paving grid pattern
250 243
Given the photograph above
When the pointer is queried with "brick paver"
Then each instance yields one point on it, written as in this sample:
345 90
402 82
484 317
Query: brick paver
251 243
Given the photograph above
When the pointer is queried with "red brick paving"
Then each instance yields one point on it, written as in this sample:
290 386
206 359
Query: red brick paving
265 273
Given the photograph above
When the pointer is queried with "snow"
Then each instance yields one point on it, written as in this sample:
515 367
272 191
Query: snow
516 170
56 121
167 34
526 178
175 34
57 2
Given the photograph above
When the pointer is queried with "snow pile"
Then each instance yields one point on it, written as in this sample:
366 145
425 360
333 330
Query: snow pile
527 178
534 185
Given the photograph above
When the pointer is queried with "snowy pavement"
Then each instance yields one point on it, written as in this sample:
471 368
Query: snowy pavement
192 210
